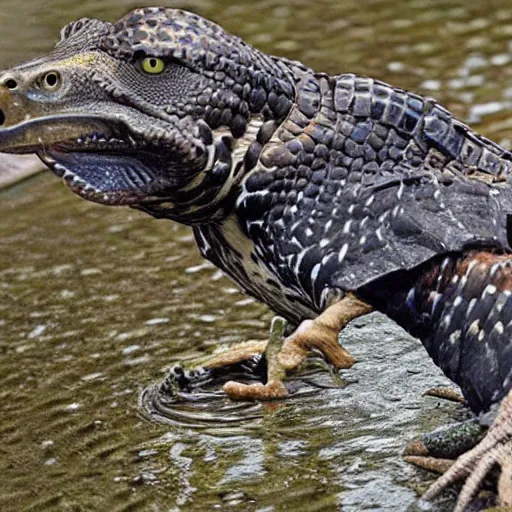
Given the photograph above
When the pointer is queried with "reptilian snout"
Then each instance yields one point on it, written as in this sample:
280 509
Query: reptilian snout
20 131
38 106
15 105
32 120
163 110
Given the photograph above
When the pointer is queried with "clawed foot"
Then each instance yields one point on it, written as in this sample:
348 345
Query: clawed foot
281 355
494 450
287 355
249 360
309 335
322 334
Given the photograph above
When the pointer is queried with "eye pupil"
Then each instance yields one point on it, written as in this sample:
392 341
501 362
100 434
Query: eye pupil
153 65
51 79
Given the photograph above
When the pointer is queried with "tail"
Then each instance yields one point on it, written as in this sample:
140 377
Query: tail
460 307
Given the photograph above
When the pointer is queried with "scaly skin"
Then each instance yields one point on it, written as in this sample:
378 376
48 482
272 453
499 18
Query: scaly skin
301 186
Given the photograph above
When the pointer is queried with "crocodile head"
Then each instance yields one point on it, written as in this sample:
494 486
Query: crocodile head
157 111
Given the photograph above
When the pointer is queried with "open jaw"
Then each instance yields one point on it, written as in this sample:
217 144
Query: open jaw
106 178
100 159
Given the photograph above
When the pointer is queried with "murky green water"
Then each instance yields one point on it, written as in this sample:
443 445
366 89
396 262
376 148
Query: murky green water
96 303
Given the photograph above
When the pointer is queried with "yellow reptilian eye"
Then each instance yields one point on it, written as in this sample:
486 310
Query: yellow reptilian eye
153 65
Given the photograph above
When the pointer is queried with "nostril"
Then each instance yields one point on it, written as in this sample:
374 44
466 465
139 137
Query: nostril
11 84
2 117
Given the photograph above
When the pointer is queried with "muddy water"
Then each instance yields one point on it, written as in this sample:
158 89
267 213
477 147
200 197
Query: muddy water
97 303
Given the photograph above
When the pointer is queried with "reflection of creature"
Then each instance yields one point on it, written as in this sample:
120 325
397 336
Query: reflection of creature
308 190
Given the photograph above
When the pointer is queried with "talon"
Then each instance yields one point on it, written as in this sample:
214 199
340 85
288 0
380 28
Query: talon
271 390
430 463
445 393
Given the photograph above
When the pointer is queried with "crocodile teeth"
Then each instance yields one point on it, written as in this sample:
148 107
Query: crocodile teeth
102 142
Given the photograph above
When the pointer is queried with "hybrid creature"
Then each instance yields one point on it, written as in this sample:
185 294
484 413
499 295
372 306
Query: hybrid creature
324 197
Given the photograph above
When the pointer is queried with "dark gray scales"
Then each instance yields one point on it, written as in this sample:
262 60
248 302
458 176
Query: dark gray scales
367 179
346 180
300 186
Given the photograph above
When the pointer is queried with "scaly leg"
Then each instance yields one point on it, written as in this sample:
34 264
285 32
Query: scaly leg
495 448
320 333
